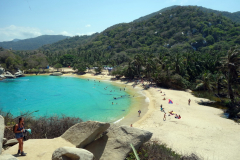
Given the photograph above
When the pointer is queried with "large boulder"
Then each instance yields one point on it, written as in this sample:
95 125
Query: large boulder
7 157
11 142
9 75
19 73
116 143
4 141
84 133
2 126
70 153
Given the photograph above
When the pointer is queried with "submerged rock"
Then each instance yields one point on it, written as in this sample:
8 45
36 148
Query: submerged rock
83 133
71 153
116 143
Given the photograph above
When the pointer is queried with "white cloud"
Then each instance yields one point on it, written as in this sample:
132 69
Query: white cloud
12 31
82 34
65 33
88 25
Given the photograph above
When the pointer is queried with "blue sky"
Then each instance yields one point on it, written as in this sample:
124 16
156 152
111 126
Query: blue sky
31 18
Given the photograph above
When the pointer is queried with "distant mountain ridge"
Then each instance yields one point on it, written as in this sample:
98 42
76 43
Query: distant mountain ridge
32 43
235 17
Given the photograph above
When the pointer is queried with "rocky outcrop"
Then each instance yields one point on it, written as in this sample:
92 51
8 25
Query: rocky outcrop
7 157
9 75
84 133
56 74
116 143
71 153
2 126
19 73
11 142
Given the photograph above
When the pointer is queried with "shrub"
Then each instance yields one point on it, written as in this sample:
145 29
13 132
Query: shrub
42 127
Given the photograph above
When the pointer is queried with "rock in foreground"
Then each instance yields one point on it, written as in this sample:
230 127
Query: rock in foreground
116 144
71 153
2 126
11 142
82 134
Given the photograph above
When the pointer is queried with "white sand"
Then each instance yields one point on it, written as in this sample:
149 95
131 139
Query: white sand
201 130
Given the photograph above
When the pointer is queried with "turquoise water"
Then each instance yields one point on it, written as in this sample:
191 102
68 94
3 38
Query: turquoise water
71 96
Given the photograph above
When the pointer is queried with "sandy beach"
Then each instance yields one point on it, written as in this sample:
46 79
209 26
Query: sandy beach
201 130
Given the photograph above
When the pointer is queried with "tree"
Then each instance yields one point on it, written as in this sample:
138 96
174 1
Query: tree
57 66
137 62
206 82
230 65
210 40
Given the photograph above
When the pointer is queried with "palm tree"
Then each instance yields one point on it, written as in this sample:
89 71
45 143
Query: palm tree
137 62
206 82
149 66
230 64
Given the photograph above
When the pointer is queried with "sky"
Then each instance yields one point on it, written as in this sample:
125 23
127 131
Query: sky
21 19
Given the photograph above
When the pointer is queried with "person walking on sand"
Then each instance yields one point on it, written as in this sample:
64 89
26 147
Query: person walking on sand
189 101
19 130
139 112
164 118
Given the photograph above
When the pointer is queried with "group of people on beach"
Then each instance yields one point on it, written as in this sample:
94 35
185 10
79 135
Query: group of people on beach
170 113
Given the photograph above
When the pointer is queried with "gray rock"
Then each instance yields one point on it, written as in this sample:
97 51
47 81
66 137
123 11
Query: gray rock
70 153
7 157
56 74
2 70
116 143
4 141
19 73
84 133
9 75
2 126
11 142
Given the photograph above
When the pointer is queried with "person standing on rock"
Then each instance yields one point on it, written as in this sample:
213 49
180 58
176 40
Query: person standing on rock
19 130
139 112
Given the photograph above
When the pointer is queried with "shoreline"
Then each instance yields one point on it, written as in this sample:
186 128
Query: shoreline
201 130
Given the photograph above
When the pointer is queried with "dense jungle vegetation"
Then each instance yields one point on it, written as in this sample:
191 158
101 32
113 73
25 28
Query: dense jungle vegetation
184 47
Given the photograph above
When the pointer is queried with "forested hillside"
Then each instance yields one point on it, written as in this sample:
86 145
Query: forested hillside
235 17
182 28
32 43
69 43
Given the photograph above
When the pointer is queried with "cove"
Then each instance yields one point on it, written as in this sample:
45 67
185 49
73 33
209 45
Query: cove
70 96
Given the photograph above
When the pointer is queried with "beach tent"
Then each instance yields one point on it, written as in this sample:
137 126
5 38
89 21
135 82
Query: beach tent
170 101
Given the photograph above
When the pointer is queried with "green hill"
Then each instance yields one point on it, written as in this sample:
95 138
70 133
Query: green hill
32 43
187 28
68 43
